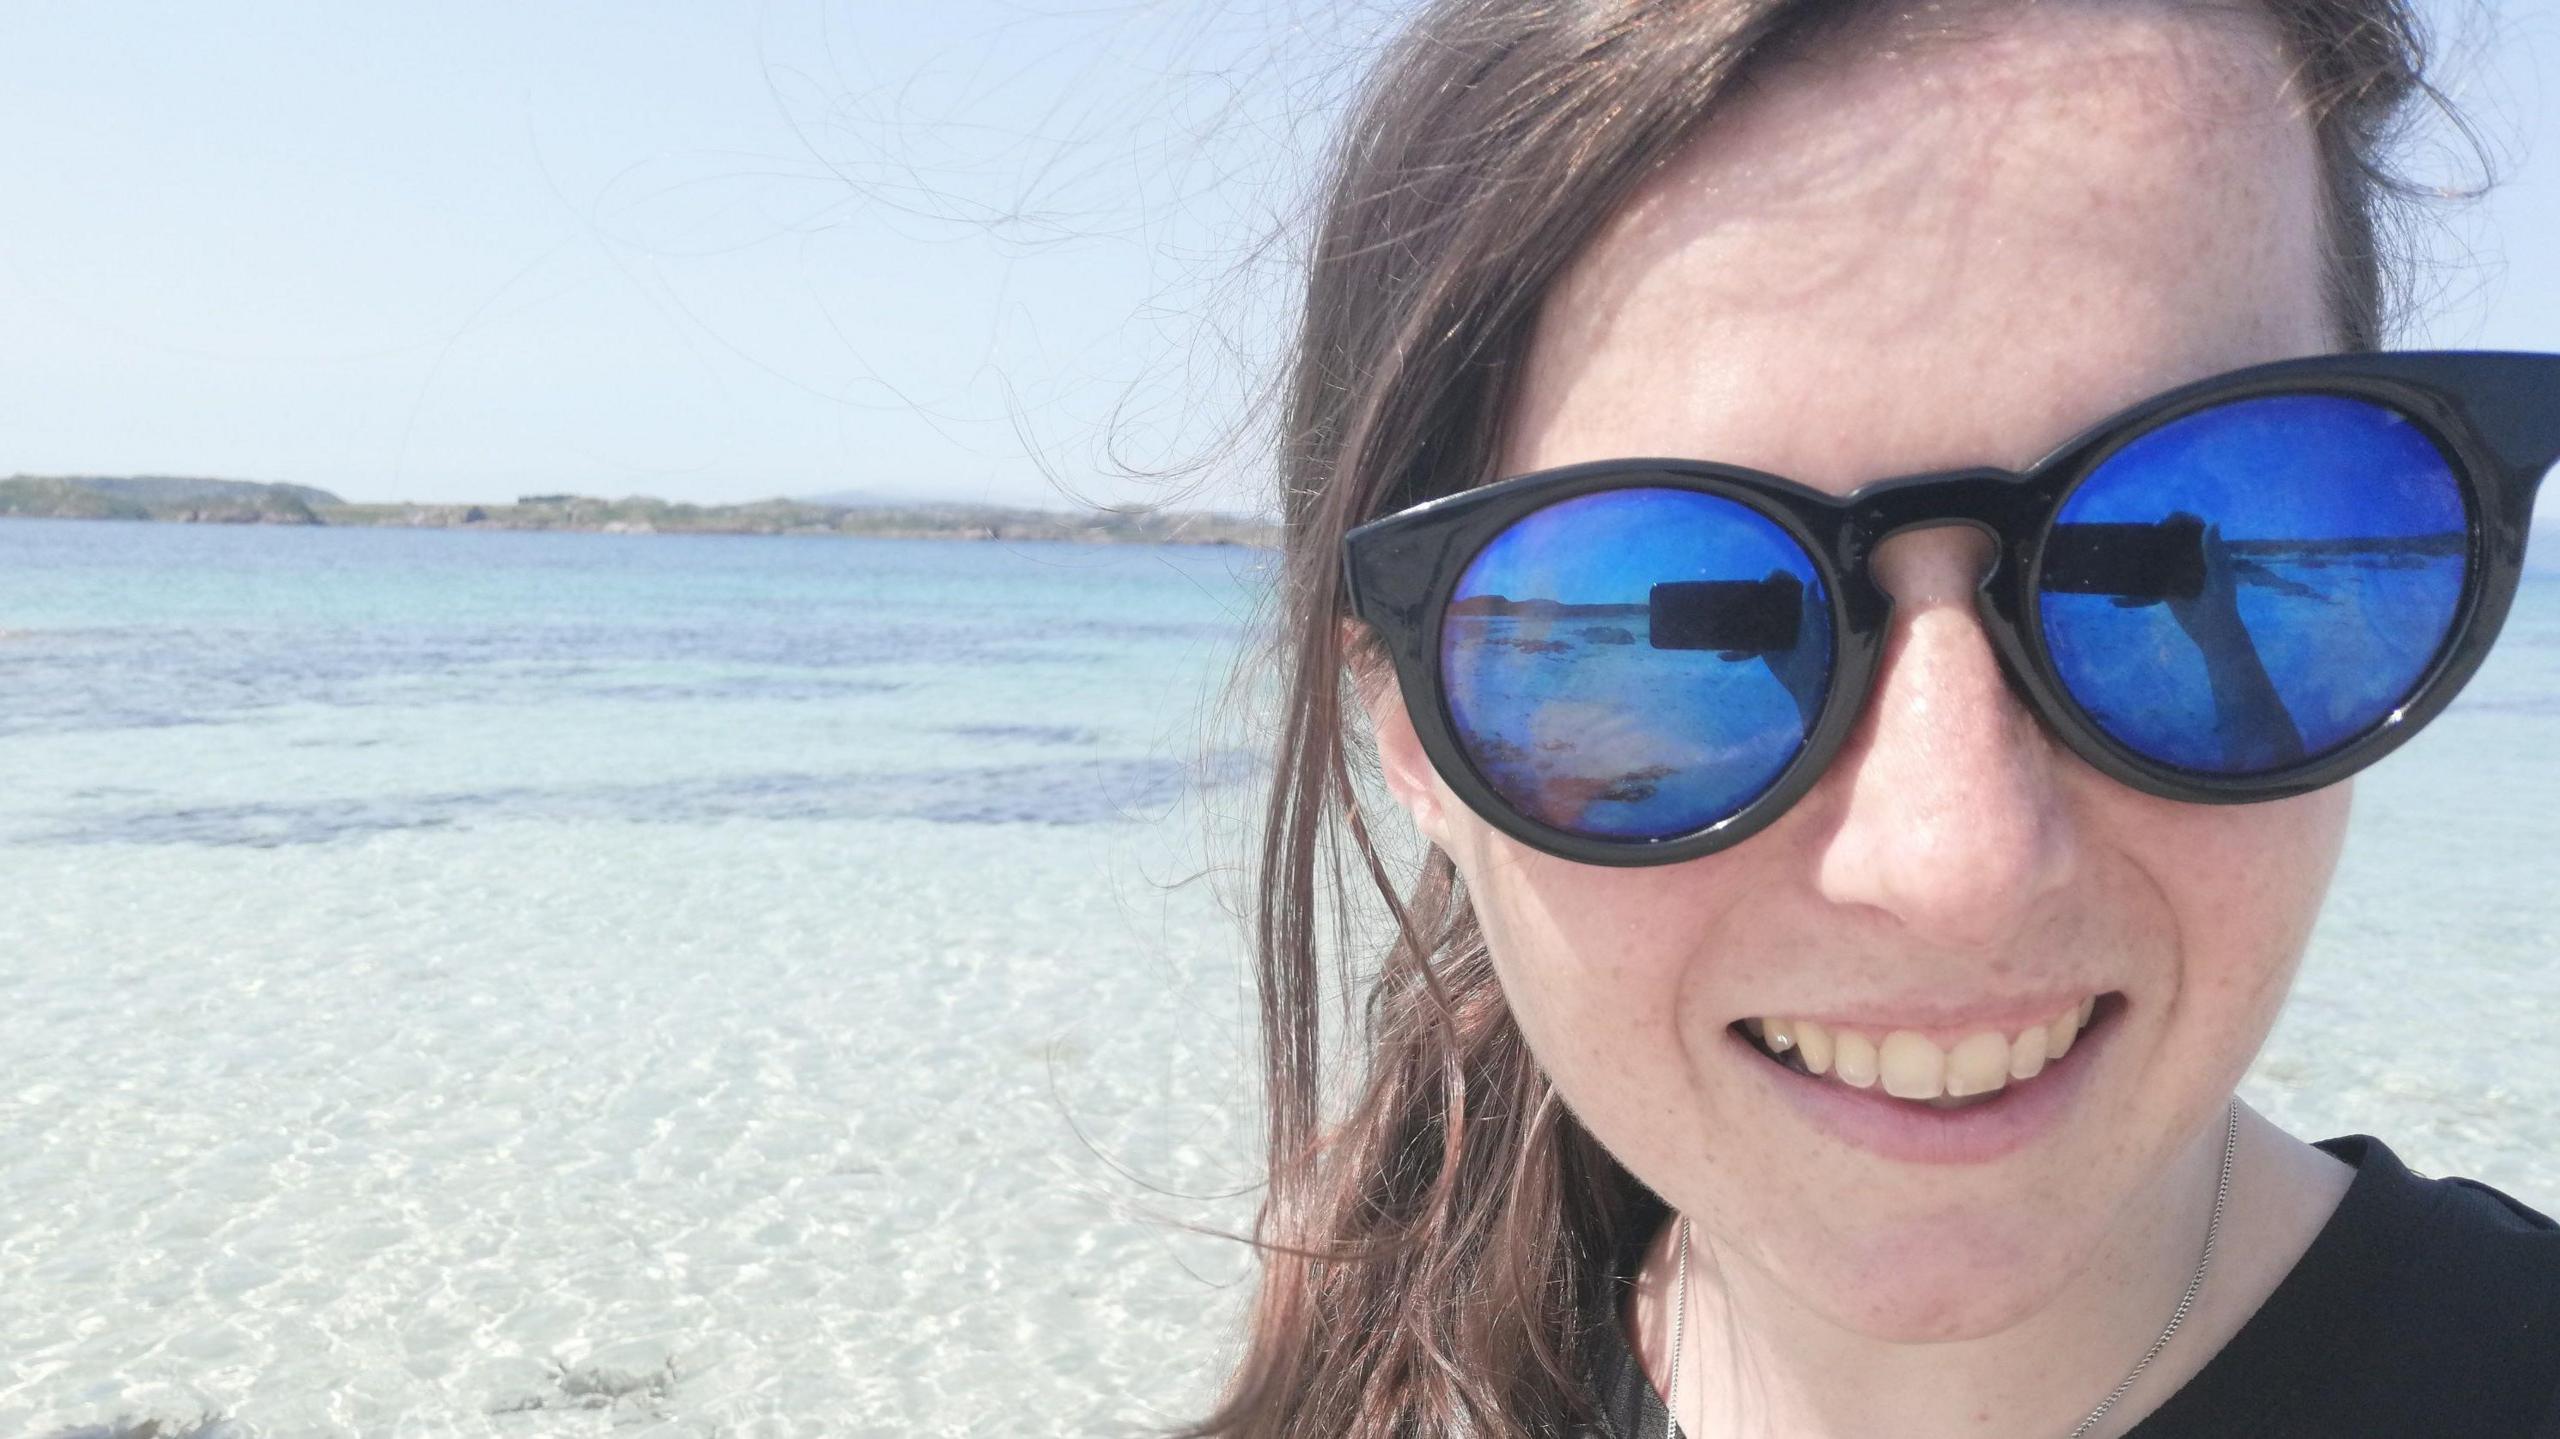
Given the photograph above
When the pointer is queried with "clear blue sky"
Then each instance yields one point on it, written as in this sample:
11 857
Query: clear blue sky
717 251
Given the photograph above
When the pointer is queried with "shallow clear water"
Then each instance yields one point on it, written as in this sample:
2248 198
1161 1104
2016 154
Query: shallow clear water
446 969
453 976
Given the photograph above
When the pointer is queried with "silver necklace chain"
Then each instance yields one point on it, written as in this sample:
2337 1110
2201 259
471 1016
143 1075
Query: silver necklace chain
2186 1301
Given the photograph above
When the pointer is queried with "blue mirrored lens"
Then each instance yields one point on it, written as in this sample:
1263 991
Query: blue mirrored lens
2256 584
1636 664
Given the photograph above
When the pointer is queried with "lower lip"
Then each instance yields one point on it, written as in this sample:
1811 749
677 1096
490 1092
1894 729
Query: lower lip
1914 1133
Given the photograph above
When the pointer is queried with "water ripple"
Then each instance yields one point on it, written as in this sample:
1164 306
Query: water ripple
1080 792
1024 733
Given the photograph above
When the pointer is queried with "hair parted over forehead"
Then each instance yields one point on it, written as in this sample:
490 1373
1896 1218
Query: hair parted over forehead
1432 1234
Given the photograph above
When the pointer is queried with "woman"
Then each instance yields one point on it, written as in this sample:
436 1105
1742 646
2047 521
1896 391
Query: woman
1837 941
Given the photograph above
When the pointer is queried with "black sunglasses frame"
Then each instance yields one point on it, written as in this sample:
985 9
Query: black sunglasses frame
2495 415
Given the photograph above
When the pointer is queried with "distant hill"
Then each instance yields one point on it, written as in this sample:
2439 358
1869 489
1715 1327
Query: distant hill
863 500
103 497
88 497
174 490
63 500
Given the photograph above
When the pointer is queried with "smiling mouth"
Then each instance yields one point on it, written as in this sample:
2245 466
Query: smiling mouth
1975 1069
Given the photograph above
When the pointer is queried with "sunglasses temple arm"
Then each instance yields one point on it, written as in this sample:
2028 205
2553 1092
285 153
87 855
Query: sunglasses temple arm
2515 401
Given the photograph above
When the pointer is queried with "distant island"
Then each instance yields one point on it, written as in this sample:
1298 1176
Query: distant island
250 502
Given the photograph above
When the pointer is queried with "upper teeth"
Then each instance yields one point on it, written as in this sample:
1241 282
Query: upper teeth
1912 1066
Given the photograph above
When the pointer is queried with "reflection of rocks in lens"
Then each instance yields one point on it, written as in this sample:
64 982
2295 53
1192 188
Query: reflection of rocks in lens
1574 796
1636 788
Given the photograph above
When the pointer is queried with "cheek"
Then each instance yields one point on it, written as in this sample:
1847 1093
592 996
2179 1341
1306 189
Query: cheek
2244 884
1597 963
1591 958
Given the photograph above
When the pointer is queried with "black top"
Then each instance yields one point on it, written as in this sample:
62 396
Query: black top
2424 1307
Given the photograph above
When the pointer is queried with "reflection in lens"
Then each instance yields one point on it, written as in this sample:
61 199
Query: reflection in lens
1636 664
2256 584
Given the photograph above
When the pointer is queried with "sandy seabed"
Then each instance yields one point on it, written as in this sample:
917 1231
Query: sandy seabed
492 1130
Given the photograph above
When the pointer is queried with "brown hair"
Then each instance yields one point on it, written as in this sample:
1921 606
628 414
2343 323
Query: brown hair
1430 1253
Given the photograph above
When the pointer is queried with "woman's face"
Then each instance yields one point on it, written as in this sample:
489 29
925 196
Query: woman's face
1958 253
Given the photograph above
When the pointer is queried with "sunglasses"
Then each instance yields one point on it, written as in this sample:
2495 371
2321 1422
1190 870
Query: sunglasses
2243 589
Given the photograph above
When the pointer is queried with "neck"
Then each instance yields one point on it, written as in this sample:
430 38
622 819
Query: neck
1756 1360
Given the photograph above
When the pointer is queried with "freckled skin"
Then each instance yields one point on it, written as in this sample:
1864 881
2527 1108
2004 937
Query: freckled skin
1959 253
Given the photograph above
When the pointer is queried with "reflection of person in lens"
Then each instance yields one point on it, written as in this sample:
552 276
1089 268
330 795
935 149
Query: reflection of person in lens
2257 731
1805 666
1777 619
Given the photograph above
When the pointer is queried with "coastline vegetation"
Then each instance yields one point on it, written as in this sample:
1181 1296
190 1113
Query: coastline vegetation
210 501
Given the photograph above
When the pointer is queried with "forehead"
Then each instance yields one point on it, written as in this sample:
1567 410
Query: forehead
1952 251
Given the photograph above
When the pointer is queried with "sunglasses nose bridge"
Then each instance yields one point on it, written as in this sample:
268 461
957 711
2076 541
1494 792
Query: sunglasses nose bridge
1982 500
1999 505
1987 501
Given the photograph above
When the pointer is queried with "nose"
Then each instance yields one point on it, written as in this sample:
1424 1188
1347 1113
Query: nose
1950 816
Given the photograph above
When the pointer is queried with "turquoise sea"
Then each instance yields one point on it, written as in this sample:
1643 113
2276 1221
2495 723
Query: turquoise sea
564 984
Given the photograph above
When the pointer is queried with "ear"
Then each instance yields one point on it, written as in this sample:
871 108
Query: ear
1411 780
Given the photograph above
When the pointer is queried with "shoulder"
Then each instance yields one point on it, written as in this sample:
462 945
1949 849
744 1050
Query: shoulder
2451 1247
2460 1294
2425 1306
